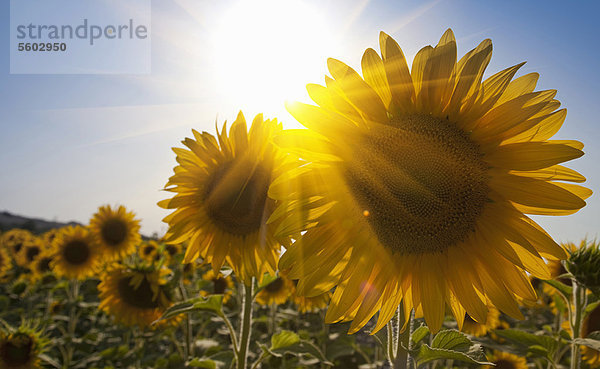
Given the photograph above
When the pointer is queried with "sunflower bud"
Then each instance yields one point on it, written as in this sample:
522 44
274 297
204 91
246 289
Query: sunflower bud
584 265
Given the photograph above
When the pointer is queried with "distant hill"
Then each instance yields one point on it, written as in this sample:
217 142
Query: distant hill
35 225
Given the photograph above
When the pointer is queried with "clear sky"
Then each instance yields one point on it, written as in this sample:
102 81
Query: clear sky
70 143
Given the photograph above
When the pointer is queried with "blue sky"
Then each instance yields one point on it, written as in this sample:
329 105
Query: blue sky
70 143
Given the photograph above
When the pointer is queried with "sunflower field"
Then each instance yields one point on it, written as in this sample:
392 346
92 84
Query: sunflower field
392 232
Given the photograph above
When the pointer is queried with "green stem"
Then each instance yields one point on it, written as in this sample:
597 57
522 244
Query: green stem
390 341
402 342
245 328
72 294
579 302
189 348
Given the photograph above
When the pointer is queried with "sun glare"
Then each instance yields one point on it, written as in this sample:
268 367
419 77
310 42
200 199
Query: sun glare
267 50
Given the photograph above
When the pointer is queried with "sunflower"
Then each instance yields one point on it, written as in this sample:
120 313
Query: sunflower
116 231
135 295
20 348
277 292
5 263
171 251
149 251
217 284
189 272
504 360
42 265
311 304
591 323
474 328
416 183
221 203
14 239
30 250
75 253
48 237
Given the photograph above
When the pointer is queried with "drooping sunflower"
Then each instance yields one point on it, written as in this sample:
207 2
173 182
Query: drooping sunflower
416 183
504 360
474 328
218 284
277 292
116 231
20 348
221 204
76 256
136 295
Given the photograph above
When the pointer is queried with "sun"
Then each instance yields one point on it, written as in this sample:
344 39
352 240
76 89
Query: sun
265 51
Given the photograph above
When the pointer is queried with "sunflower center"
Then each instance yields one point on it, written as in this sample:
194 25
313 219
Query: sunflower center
236 196
141 297
76 252
275 286
171 250
114 231
421 183
16 352
219 286
504 364
44 264
32 252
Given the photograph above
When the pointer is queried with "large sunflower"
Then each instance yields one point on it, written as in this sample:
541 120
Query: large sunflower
135 295
76 255
116 231
221 203
417 182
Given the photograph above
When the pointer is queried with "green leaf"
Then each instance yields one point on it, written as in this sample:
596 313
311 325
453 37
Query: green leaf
449 345
419 334
283 339
565 290
289 342
590 307
451 339
202 363
212 303
426 354
527 340
589 342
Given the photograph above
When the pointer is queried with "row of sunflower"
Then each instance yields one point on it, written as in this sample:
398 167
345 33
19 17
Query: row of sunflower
92 296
